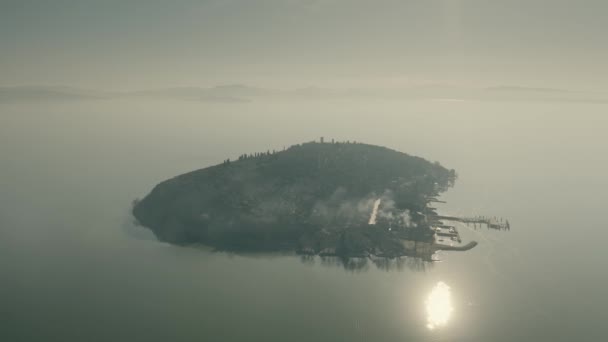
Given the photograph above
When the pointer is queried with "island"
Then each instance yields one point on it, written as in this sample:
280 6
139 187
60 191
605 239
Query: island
327 198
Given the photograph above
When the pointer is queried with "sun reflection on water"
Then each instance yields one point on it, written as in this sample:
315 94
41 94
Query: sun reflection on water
438 306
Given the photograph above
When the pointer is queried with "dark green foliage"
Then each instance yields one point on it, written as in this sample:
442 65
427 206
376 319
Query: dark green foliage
313 197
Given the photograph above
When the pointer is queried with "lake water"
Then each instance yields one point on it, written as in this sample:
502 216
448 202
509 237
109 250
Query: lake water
74 268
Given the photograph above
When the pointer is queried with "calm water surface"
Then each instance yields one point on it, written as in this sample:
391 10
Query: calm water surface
74 268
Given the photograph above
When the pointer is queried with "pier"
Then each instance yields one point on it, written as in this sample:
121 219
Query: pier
490 222
466 247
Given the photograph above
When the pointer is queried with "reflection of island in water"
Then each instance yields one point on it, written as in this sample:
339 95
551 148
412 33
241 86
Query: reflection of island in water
358 264
343 201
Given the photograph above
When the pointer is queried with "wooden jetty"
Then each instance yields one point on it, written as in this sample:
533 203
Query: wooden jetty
490 222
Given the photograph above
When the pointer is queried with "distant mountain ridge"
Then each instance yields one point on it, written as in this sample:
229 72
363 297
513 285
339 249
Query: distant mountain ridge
240 93
37 93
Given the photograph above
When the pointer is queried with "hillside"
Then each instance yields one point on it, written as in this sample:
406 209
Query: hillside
312 197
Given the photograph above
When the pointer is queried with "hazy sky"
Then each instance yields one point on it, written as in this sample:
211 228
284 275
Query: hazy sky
149 43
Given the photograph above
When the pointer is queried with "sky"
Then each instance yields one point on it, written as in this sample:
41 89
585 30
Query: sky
138 44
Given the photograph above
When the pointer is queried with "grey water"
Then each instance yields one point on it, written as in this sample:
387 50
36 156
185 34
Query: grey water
73 267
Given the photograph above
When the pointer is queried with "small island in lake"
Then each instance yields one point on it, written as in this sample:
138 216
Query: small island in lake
342 199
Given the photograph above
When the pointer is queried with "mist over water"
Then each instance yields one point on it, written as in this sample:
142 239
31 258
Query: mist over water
73 267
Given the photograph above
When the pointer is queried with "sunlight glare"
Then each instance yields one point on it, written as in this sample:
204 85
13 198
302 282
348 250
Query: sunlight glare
438 306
